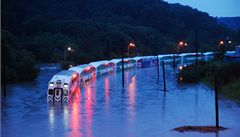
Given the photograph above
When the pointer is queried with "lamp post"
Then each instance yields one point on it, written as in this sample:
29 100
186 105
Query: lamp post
196 47
69 49
122 66
221 47
181 45
129 46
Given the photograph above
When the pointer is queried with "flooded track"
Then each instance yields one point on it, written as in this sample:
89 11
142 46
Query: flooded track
103 108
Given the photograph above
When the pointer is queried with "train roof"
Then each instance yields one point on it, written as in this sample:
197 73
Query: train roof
137 58
80 68
65 76
189 54
115 61
66 73
98 63
208 53
165 55
127 59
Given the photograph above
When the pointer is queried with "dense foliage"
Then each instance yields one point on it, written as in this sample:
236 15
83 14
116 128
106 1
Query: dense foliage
227 74
17 64
97 29
231 22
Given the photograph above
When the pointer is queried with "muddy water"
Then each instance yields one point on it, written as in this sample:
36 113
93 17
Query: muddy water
103 108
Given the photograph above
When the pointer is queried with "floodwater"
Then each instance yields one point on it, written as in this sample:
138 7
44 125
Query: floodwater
104 109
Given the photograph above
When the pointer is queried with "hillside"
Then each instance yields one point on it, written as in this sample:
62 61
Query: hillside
95 27
230 22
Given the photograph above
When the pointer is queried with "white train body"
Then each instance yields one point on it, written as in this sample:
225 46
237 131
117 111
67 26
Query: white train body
103 67
62 85
86 72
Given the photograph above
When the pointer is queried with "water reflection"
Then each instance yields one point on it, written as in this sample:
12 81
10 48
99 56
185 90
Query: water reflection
132 97
140 110
132 90
89 103
107 93
51 118
163 108
75 115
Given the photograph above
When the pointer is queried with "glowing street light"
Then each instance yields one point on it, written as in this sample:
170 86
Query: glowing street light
129 46
68 49
181 44
221 43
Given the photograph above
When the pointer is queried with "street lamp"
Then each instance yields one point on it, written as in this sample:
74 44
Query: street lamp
69 49
181 44
221 47
130 45
221 43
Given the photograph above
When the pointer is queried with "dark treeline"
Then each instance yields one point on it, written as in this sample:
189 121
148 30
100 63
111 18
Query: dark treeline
94 28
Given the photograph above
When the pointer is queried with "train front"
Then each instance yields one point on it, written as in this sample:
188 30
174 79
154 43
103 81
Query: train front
62 85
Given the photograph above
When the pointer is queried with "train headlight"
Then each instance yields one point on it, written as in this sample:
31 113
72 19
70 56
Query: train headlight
65 85
51 84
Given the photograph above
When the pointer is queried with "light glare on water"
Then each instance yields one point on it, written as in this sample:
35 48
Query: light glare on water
102 108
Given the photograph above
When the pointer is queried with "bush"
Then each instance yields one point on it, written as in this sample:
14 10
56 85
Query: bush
17 64
66 64
189 74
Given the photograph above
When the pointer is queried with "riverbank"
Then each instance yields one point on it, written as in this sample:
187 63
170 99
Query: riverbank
227 74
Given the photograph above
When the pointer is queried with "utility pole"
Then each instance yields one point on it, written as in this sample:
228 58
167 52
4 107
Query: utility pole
164 79
174 61
110 46
216 100
4 82
196 46
122 66
158 66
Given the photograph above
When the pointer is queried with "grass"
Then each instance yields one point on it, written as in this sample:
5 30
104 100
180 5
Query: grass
228 76
232 90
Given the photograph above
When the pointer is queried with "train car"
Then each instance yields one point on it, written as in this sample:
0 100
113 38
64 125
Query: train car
148 61
86 72
169 58
103 67
62 85
117 64
189 57
138 61
208 56
129 63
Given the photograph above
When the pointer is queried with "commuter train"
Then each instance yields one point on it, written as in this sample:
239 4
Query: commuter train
62 85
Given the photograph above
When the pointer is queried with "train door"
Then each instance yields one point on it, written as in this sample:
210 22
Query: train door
65 96
50 95
58 94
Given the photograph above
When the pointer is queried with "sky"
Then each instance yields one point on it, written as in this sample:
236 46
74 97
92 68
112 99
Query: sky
215 8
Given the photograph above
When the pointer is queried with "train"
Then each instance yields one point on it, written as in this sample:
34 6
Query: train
62 85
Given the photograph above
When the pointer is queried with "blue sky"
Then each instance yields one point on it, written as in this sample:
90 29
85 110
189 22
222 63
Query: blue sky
219 8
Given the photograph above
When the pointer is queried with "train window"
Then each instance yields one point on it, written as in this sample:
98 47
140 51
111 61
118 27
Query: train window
65 93
50 92
75 78
57 92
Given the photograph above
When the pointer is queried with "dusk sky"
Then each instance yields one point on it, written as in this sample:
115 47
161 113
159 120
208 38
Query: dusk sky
219 8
